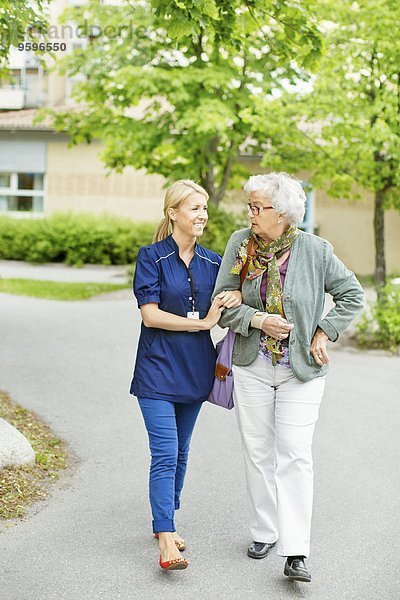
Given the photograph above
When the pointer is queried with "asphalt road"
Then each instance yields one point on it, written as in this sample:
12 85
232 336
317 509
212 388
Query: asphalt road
71 362
18 269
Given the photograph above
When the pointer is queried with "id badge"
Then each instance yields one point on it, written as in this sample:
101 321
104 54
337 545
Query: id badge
193 315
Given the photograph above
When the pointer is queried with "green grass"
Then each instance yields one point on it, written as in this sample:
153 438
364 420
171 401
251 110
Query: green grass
20 487
55 290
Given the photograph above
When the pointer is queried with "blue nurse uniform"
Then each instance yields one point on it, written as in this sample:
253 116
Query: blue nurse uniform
174 365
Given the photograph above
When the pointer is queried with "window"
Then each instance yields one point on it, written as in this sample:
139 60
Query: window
21 192
308 223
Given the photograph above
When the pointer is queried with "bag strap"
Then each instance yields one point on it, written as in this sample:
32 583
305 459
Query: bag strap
250 252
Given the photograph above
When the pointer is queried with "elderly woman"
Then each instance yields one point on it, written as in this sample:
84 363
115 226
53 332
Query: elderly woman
280 358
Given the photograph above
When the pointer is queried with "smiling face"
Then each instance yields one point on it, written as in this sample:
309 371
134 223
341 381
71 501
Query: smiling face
191 217
269 224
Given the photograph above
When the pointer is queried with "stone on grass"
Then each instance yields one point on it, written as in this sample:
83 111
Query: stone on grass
15 450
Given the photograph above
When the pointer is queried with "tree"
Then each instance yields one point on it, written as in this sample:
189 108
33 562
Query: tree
17 19
345 128
166 92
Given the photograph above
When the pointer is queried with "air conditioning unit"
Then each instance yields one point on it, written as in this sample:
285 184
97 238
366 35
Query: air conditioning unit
12 99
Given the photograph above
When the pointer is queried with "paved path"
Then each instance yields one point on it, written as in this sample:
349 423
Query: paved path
71 363
16 269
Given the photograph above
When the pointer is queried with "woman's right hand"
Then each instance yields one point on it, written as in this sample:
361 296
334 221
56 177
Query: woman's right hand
277 327
214 314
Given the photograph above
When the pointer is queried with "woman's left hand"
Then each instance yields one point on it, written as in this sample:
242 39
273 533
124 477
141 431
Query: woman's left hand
318 348
231 298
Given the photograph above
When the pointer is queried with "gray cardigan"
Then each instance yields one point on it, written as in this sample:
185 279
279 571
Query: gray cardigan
313 269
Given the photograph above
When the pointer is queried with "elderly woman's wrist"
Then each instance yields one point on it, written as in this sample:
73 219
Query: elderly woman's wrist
258 319
321 331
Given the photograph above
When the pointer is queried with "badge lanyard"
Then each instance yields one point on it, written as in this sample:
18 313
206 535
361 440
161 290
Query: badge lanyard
193 314
191 281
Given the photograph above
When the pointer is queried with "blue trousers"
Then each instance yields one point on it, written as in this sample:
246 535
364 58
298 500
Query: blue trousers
169 426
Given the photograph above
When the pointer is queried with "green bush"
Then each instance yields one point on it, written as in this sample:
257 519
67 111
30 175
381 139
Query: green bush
73 239
78 239
381 327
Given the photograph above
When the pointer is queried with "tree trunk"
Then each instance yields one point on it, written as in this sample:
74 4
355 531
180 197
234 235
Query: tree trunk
217 194
379 230
225 180
208 179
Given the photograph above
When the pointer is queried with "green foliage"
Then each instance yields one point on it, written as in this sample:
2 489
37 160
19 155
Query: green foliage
87 239
381 328
73 239
344 127
168 95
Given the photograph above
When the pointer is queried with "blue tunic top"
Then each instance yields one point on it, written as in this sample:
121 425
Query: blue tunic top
174 365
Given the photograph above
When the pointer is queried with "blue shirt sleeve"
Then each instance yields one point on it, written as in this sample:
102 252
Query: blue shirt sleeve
146 282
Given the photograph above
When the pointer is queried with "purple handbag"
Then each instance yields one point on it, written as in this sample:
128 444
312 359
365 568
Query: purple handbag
222 390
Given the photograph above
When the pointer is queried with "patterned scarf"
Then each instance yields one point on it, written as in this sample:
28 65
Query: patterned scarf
265 259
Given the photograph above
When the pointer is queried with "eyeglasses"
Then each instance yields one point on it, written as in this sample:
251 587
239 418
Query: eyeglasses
255 210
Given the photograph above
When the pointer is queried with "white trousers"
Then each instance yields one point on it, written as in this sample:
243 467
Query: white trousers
276 414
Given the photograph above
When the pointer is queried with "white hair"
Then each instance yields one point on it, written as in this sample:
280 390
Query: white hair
284 192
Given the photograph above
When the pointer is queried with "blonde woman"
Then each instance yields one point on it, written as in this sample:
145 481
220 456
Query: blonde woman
174 369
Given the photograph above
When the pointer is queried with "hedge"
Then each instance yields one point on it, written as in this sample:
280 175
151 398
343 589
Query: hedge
380 327
78 239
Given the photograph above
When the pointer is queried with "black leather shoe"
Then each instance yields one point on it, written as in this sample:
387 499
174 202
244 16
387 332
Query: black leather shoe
259 549
297 571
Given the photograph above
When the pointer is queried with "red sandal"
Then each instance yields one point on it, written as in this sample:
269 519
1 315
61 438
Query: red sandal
177 564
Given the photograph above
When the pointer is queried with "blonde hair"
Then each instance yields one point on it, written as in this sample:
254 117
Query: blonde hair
174 196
